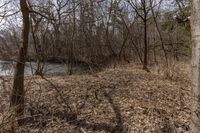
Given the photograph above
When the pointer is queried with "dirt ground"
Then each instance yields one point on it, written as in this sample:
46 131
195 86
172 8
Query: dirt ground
124 99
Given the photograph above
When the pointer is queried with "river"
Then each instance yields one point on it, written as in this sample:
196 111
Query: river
7 68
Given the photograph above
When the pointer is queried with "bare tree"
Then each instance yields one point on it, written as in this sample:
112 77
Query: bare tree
17 95
195 23
142 9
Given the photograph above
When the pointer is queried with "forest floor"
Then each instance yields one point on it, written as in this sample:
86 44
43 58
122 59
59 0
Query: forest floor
124 99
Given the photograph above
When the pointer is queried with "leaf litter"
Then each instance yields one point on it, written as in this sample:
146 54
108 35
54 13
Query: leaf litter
117 100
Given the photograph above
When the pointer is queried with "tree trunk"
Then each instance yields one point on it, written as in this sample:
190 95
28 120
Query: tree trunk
145 47
145 62
195 24
17 96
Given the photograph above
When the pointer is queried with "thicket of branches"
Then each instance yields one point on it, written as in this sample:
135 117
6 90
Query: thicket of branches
99 31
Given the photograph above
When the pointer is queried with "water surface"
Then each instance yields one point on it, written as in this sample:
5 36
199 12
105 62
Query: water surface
7 68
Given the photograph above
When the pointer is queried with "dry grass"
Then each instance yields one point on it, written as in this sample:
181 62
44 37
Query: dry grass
122 99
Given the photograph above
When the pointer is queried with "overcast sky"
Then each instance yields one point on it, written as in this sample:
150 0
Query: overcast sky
13 6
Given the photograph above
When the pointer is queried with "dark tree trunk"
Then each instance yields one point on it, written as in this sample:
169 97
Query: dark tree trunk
145 46
17 96
145 63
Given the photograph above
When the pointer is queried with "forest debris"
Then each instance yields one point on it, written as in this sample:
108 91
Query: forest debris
124 100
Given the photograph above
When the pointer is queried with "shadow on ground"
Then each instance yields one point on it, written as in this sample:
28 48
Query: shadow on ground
41 117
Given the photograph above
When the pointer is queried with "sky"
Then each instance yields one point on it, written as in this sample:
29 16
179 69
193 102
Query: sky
14 6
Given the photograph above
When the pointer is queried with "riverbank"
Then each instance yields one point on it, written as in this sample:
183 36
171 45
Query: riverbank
122 99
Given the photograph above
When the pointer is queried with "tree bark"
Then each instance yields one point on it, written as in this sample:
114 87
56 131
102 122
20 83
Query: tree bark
145 47
17 96
195 25
145 63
